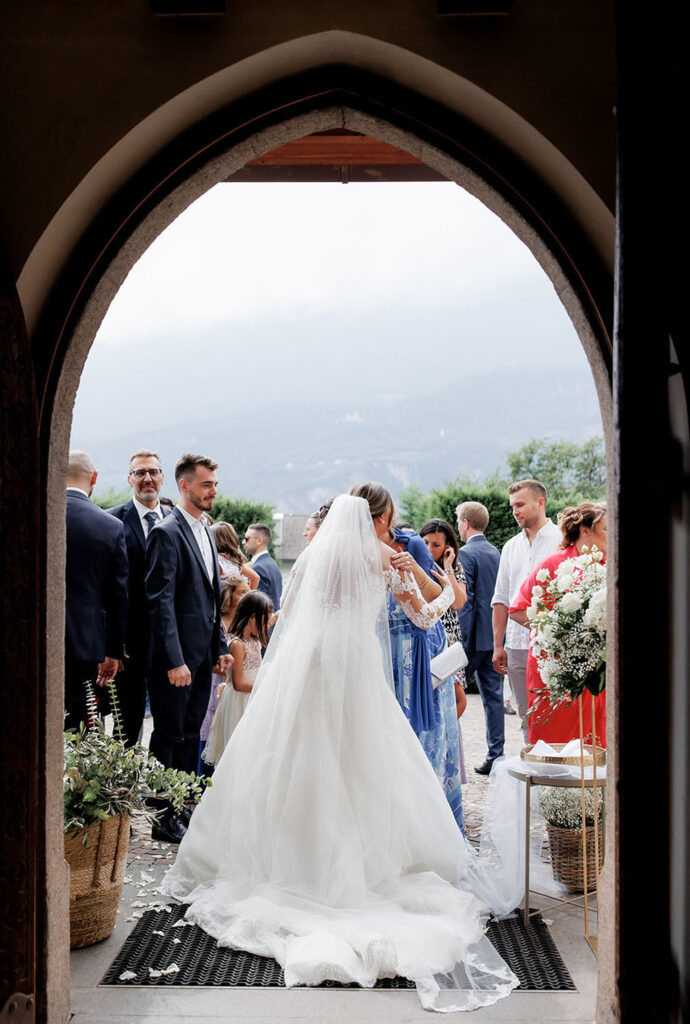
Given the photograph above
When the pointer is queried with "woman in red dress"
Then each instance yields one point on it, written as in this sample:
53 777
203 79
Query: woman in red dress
583 526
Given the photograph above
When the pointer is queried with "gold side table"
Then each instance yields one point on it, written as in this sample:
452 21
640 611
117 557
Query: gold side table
558 781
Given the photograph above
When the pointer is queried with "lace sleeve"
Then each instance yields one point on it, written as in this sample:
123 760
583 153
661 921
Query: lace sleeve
406 592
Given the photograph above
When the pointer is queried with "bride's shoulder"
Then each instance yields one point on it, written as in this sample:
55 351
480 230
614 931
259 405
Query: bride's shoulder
385 553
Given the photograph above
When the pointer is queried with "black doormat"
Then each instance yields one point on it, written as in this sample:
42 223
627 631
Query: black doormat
163 949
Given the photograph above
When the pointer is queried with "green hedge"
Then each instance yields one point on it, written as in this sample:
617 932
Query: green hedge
241 513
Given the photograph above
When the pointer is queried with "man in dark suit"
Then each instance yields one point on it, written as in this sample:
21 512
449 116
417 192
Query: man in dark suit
139 515
95 590
183 595
480 561
257 537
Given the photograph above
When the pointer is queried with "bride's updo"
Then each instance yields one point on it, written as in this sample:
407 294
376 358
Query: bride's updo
574 517
377 497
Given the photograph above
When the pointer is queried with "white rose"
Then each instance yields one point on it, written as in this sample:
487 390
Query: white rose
543 576
570 603
537 592
565 583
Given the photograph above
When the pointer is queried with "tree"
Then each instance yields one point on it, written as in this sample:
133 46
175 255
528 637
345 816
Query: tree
241 513
110 498
571 473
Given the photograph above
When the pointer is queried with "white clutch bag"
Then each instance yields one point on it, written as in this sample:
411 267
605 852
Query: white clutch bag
447 663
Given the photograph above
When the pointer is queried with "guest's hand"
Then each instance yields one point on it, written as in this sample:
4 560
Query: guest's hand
403 562
180 676
500 660
448 559
440 577
225 661
107 670
273 619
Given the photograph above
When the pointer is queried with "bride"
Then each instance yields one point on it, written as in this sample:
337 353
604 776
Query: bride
326 841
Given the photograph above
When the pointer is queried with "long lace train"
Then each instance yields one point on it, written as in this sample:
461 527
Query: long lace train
326 840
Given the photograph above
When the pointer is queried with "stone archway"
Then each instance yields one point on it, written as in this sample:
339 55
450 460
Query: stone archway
565 247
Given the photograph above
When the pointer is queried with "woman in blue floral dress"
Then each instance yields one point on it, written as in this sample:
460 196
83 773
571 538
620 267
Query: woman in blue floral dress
431 713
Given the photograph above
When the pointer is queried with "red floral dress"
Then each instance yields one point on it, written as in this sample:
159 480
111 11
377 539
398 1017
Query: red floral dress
561 724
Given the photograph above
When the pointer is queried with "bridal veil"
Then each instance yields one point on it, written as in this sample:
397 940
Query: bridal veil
326 840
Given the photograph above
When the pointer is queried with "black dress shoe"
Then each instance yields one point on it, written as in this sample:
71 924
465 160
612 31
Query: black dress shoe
484 769
185 815
169 829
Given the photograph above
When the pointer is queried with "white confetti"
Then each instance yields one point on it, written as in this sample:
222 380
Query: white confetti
154 974
146 877
179 924
127 879
138 914
546 920
138 903
156 932
171 969
127 976
177 941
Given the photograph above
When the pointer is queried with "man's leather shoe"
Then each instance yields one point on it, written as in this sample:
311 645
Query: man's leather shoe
484 769
169 829
185 815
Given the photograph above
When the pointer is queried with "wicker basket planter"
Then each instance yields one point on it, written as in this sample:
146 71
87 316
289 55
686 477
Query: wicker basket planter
567 860
96 878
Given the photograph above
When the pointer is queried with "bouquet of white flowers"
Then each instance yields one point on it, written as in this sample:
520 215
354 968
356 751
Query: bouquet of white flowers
568 627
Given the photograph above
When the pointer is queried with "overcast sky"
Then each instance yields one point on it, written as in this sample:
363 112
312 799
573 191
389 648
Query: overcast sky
272 294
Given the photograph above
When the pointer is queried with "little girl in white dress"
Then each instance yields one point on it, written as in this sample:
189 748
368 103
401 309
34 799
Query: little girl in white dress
248 633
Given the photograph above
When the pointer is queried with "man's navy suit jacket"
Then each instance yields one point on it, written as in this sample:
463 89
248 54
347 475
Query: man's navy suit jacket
95 582
137 639
183 603
270 581
480 561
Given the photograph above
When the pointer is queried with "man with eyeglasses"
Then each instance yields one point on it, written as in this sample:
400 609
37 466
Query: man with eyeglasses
139 516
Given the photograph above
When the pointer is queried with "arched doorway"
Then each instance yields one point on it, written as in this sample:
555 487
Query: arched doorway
570 249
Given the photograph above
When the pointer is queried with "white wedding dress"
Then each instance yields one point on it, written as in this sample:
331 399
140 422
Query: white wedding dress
326 840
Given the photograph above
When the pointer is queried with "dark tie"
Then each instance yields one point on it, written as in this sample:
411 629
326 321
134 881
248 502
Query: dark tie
151 518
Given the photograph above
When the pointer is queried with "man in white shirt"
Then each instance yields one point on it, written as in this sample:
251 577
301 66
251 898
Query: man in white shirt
538 538
183 594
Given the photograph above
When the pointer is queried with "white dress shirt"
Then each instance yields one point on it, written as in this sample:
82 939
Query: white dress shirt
201 536
255 558
518 559
143 511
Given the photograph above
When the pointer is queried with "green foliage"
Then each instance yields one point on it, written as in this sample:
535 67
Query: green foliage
571 473
414 507
241 513
111 498
102 777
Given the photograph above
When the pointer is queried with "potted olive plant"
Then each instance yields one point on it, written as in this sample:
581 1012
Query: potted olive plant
104 784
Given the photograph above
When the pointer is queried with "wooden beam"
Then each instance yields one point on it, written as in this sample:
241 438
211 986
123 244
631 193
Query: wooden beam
326 149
